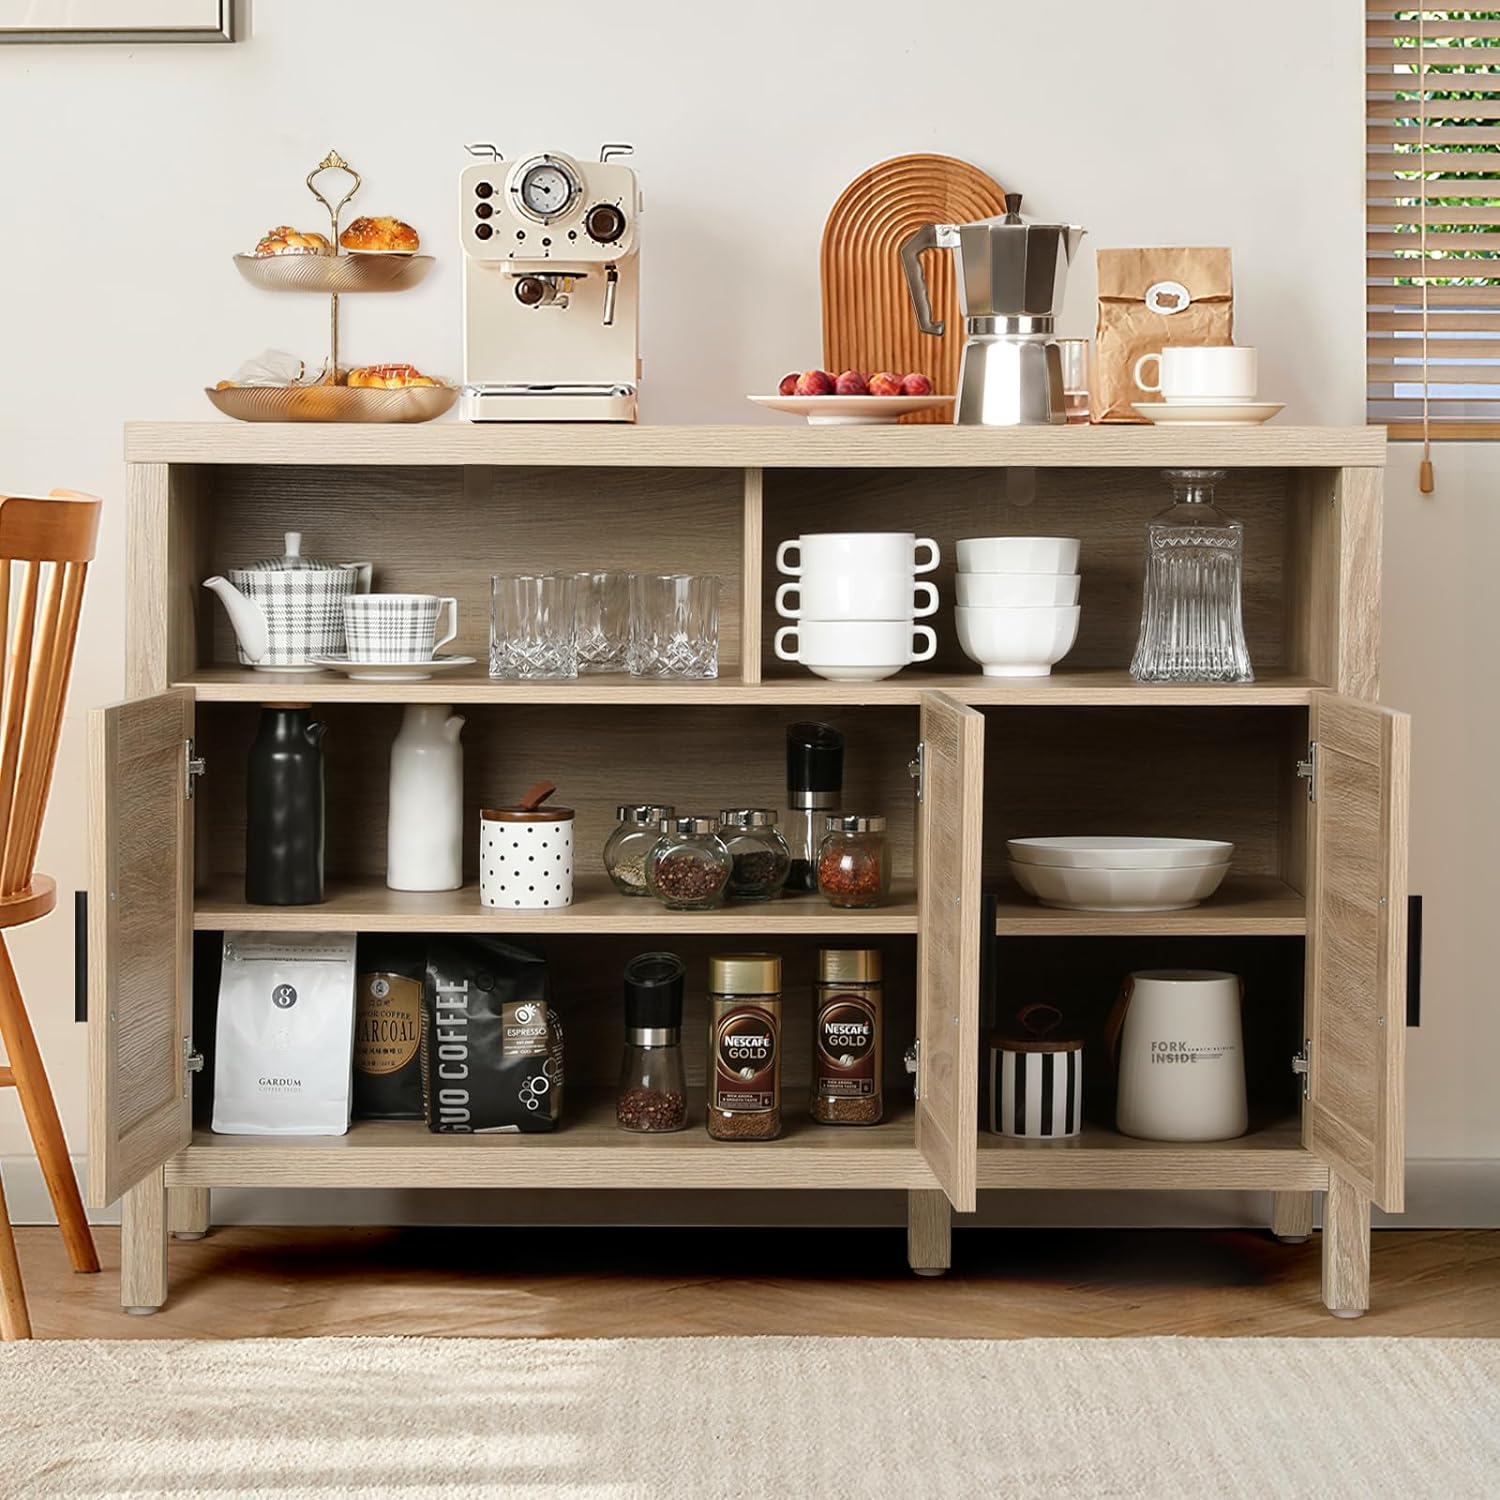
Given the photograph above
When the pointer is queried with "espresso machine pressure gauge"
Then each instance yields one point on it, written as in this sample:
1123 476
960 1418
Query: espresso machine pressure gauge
545 188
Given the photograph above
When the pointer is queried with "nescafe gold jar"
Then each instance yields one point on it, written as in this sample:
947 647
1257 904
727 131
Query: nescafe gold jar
847 1037
744 1046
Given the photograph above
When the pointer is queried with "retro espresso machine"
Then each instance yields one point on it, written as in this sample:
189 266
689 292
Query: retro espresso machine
1011 273
551 287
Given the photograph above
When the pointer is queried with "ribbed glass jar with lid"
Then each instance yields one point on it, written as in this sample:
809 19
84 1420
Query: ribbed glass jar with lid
760 858
628 848
653 1083
854 867
689 866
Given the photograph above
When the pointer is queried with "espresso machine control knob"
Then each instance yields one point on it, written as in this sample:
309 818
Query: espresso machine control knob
605 223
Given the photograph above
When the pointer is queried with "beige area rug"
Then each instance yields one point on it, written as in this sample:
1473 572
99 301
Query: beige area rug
768 1417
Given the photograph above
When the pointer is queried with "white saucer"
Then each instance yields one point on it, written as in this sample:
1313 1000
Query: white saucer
1208 413
391 671
851 411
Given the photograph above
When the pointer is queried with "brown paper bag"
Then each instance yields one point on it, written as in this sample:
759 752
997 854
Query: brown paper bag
1149 298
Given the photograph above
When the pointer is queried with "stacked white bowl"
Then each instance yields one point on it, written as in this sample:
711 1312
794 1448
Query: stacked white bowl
1114 873
855 599
1017 605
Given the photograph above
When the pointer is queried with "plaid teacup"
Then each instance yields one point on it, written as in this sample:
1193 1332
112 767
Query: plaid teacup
396 627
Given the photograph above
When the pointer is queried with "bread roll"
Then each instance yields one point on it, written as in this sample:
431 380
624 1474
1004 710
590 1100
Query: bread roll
388 377
380 234
284 240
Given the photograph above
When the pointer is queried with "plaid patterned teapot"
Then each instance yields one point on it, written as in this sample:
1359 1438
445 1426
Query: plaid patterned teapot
286 610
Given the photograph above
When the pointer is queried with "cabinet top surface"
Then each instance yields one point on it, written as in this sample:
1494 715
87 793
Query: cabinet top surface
586 444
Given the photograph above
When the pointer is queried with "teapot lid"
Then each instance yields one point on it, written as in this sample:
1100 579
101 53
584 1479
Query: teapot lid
291 561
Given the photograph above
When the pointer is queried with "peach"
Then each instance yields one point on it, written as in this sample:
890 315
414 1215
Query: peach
916 384
852 383
885 384
788 386
815 383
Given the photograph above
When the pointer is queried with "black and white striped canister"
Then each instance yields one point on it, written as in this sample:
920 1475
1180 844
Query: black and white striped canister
1036 1078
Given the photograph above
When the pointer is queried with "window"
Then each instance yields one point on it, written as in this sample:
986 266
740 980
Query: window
1432 221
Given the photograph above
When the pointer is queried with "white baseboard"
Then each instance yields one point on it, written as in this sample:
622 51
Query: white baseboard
1440 1194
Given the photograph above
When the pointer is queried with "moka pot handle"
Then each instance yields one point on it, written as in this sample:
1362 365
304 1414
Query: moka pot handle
925 237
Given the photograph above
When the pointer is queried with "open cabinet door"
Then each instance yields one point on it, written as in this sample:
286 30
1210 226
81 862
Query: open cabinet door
1356 944
951 834
140 939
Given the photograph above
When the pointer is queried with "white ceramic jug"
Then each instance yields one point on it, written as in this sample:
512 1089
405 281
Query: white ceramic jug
1182 1056
425 836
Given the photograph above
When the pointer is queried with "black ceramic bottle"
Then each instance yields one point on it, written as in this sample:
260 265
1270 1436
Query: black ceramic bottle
284 809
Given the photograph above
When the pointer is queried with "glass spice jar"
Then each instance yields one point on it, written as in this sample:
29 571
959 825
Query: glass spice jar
853 864
653 1084
689 866
759 856
848 1037
627 849
744 1046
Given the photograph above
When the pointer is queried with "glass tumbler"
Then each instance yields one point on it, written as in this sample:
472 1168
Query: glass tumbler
674 625
533 626
1073 354
603 621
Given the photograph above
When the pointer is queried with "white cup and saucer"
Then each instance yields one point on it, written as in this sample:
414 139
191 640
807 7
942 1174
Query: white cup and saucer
1209 385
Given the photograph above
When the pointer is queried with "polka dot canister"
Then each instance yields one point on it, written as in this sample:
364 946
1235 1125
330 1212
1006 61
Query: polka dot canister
526 854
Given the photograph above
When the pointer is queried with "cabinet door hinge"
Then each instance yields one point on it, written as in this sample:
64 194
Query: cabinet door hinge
1302 1064
1308 771
917 766
193 766
192 1062
913 1061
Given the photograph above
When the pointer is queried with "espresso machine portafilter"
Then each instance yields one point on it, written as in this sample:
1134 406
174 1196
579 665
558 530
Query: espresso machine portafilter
1011 274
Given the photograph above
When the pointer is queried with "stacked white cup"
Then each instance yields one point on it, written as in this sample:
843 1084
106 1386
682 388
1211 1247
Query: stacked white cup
857 601
1017 612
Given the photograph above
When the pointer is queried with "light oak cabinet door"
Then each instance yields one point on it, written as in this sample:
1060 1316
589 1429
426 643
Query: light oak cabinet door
951 834
140 939
1356 944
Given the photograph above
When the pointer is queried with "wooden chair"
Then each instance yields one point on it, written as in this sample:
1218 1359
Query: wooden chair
45 550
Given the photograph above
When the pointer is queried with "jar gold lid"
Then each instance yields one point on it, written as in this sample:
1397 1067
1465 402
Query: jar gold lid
849 965
744 974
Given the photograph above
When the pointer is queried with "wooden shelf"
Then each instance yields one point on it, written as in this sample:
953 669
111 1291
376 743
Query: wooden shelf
367 905
784 445
587 1151
1244 906
1102 689
1268 1158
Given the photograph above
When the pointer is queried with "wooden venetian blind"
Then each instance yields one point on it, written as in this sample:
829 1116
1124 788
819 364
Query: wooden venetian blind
1432 221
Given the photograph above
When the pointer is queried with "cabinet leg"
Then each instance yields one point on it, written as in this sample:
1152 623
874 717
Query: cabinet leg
1346 1249
143 1245
1292 1217
188 1212
929 1232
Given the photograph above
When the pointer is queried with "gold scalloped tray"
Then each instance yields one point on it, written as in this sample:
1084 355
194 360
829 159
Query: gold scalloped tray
333 403
333 273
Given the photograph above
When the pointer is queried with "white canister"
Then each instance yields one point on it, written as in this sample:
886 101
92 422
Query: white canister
1036 1078
526 854
425 828
1182 1056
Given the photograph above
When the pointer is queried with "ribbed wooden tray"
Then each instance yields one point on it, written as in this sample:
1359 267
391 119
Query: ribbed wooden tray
868 322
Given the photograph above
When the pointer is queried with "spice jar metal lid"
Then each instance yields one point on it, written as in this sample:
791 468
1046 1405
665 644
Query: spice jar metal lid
695 826
646 814
529 809
849 965
854 823
747 817
744 974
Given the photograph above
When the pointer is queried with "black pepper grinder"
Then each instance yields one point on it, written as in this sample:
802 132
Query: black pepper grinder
814 787
284 808
653 1081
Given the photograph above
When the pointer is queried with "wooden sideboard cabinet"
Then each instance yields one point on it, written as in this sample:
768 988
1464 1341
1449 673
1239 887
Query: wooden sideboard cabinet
1302 769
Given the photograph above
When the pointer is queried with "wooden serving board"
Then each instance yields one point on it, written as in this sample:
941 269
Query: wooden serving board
868 321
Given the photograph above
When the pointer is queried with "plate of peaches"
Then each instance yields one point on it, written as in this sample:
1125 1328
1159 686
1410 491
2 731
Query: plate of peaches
853 399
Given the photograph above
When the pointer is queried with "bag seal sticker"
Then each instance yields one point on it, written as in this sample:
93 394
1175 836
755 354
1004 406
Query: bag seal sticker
1167 297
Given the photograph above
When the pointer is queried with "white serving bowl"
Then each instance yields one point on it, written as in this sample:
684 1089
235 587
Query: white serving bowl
1016 590
1120 852
1018 554
1119 890
1017 642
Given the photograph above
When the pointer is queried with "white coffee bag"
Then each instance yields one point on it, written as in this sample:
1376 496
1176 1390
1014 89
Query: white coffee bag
284 1058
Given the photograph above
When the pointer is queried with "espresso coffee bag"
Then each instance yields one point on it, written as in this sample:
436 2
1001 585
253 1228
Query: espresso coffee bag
492 1049
389 1010
1150 298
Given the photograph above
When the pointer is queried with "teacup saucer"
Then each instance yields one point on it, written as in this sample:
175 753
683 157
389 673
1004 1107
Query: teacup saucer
1208 413
391 671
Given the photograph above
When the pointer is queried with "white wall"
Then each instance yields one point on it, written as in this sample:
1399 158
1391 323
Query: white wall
133 173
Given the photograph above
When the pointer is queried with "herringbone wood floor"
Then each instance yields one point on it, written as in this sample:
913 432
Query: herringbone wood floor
243 1282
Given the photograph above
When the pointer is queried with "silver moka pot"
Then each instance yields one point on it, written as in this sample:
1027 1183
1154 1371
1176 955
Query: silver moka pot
1011 274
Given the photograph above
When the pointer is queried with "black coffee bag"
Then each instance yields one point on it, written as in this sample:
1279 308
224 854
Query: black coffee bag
389 989
492 1050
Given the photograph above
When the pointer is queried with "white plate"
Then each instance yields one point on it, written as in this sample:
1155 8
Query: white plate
391 671
1119 890
1208 413
1119 852
851 411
